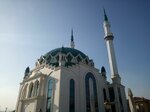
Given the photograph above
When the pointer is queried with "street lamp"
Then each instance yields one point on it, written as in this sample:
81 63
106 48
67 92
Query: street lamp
107 105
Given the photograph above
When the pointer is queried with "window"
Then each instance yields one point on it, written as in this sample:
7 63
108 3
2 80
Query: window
104 93
120 99
72 96
79 59
111 94
69 57
24 92
36 88
49 95
30 90
112 98
91 93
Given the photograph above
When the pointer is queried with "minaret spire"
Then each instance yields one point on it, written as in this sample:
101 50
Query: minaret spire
105 16
110 48
72 45
72 35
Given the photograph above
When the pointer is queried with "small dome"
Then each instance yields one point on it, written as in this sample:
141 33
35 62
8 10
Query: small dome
72 57
103 69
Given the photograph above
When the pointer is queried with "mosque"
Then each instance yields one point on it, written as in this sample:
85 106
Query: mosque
66 80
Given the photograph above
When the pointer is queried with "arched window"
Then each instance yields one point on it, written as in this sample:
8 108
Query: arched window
36 91
30 90
72 96
50 95
91 93
104 94
120 100
112 98
24 92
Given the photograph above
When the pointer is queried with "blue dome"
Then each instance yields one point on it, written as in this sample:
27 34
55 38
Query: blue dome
65 50
72 57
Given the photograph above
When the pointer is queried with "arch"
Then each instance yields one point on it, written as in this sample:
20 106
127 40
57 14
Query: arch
91 93
36 88
50 95
30 93
72 96
24 92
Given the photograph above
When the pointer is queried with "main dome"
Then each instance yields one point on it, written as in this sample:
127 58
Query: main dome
71 57
66 50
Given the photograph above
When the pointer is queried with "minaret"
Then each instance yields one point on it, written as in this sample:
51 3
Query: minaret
72 45
131 101
110 48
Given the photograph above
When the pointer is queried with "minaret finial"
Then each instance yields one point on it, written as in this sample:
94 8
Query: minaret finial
72 35
72 39
105 16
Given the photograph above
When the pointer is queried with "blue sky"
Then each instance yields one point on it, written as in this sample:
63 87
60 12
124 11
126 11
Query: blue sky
31 28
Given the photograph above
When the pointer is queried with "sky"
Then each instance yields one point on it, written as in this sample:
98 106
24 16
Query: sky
31 28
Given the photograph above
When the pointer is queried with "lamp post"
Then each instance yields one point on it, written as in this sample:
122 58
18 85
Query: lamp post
107 105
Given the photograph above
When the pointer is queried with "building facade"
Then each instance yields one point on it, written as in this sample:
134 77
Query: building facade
138 104
142 104
66 80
